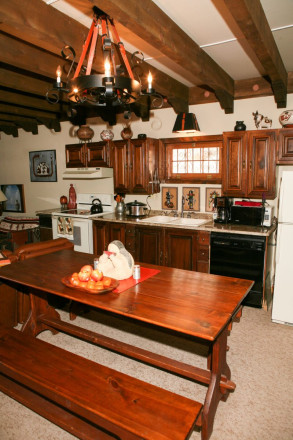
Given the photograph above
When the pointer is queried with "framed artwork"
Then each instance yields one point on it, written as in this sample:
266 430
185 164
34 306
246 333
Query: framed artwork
191 198
211 193
15 198
170 198
43 166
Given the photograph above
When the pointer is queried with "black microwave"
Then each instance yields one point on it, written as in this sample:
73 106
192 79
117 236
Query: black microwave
247 215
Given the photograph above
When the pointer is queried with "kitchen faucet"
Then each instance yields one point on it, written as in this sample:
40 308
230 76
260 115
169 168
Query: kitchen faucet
182 206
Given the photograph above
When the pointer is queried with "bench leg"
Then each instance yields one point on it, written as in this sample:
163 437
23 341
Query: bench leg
219 367
39 307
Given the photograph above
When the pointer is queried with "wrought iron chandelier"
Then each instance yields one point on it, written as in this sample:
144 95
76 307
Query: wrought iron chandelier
117 86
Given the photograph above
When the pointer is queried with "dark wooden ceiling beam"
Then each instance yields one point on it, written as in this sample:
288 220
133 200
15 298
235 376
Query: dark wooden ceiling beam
31 102
152 25
253 24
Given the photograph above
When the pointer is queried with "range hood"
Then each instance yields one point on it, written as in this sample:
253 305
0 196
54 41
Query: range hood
87 173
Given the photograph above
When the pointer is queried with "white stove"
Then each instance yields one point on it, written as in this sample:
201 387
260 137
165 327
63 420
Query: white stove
76 224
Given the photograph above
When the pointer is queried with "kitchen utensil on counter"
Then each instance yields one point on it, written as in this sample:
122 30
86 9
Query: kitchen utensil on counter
120 208
136 209
96 207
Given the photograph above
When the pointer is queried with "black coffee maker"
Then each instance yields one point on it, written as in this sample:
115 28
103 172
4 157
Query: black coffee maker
223 209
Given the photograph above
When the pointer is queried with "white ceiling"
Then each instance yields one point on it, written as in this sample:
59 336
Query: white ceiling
201 20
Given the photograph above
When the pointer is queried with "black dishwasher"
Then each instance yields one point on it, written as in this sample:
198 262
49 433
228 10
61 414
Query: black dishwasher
240 256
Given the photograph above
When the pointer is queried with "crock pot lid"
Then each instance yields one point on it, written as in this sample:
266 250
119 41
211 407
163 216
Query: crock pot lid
135 203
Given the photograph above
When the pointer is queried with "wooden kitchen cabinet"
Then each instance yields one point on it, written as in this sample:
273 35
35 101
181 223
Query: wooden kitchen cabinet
180 248
173 247
149 246
285 147
89 154
135 165
249 166
203 252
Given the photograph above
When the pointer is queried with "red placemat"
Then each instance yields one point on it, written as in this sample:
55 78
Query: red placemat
145 273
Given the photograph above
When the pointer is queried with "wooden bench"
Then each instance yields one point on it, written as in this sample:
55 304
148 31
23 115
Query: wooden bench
87 399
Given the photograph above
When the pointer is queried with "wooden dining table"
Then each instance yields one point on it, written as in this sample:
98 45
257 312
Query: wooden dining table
189 304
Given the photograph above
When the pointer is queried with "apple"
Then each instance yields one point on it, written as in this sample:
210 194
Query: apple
84 276
96 275
87 268
107 282
99 285
91 284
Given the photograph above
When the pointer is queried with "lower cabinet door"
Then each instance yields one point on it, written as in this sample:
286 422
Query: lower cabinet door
149 245
180 249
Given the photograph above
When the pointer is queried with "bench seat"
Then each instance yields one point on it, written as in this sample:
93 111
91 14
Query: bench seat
87 399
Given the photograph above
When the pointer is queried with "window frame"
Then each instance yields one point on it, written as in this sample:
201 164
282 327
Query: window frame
194 142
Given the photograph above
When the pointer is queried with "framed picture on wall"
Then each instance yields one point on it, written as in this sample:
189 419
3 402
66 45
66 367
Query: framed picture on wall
43 166
191 198
211 193
15 198
170 198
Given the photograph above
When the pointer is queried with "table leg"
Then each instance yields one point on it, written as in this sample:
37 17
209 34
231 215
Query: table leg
219 367
39 307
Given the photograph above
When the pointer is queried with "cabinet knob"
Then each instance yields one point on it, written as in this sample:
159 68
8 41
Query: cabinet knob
243 164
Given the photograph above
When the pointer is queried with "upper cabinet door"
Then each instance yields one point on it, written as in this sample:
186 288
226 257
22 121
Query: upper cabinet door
138 166
261 164
285 147
234 164
121 166
74 155
97 154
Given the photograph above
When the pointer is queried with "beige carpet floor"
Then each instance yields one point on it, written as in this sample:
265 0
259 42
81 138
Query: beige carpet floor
260 358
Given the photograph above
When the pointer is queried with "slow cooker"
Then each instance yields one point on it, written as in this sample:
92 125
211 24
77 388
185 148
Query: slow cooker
136 209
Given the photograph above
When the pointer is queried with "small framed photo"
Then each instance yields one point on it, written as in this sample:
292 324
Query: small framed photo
15 198
191 198
43 166
170 198
211 193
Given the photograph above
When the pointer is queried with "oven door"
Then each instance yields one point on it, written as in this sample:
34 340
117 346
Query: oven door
77 230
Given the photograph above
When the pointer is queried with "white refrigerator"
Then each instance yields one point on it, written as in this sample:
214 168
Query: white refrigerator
282 311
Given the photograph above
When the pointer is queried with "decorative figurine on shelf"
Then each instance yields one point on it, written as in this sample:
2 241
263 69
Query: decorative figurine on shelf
240 126
85 133
126 133
117 262
72 198
286 119
261 121
107 135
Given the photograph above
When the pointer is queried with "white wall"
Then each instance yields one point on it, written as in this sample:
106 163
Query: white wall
14 165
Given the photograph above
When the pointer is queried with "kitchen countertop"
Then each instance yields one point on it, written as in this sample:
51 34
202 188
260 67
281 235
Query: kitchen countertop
211 226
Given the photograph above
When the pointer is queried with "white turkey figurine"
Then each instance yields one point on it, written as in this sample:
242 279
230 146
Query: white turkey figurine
118 263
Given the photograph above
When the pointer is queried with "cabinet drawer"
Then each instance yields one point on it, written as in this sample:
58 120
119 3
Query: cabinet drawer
204 237
129 231
130 243
202 267
203 253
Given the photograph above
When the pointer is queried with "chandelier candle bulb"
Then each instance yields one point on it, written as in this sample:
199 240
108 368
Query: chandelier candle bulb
150 81
58 73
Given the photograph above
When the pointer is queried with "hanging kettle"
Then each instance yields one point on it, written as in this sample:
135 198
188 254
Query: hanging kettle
96 207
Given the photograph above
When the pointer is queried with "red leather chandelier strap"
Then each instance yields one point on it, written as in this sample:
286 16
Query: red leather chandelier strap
84 50
122 50
92 49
